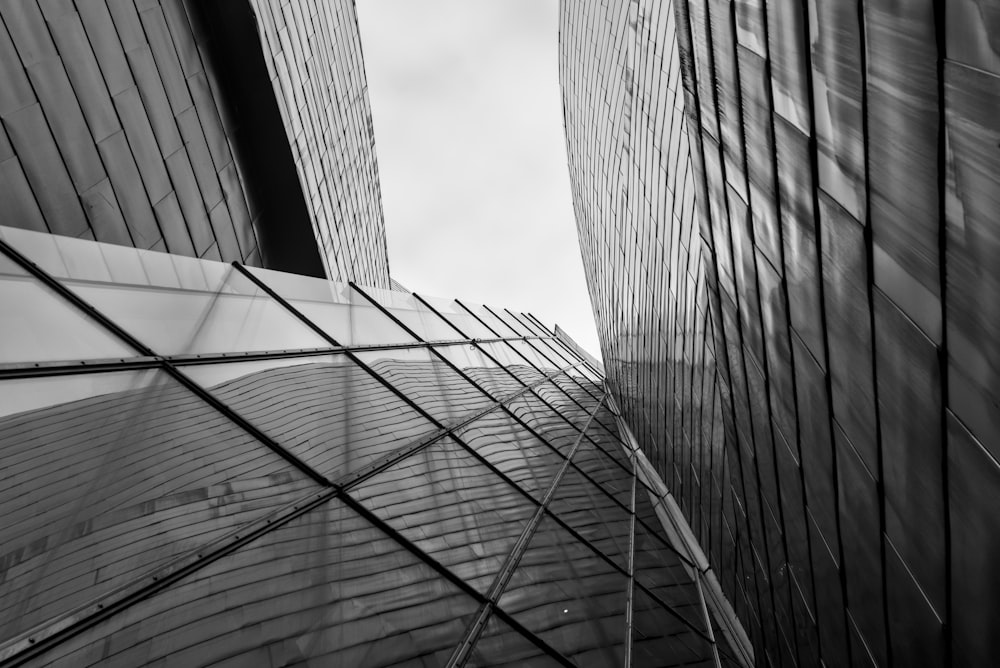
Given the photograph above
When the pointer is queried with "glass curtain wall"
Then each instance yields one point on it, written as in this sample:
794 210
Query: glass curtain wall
212 464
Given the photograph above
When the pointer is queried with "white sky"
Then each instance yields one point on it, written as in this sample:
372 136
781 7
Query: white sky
472 156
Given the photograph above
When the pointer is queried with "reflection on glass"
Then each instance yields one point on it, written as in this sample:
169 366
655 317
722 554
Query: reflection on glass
41 326
109 475
513 451
593 514
669 577
215 310
428 382
451 506
327 411
570 597
327 588
660 639
500 645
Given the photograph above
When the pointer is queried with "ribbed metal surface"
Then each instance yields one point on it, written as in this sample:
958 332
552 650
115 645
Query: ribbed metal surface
313 53
226 131
785 211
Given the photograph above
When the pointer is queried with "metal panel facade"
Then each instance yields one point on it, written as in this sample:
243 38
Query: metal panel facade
786 211
174 125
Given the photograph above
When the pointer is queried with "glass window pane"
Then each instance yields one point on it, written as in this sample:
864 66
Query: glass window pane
514 451
660 569
543 360
570 597
451 506
110 475
659 639
552 427
501 645
216 310
428 382
606 472
327 588
41 326
327 411
593 514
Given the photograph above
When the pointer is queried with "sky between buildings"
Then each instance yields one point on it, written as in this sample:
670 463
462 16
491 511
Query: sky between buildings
472 156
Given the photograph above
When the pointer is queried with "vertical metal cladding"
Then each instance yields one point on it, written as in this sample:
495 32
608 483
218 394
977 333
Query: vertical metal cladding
798 308
156 125
313 53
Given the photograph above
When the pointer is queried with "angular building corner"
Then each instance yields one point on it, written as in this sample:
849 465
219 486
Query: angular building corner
789 215
223 130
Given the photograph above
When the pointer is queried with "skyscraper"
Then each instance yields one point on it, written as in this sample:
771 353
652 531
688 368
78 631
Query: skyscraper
788 217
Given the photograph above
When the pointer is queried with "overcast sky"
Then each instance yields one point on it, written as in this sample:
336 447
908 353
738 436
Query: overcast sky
472 155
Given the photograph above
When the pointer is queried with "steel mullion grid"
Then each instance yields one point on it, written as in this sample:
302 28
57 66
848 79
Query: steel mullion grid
495 592
163 364
519 420
240 536
559 520
485 352
554 337
37 641
537 349
582 434
519 353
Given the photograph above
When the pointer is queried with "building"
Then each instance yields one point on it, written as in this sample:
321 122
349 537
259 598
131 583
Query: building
208 461
230 130
788 217
212 464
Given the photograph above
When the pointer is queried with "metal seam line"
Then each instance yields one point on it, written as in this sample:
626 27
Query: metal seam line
631 577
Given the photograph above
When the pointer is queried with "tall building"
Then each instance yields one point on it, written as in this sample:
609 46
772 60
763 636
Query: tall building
788 213
223 130
212 464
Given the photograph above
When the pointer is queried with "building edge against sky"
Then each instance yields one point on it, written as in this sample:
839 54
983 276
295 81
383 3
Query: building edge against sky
788 218
228 130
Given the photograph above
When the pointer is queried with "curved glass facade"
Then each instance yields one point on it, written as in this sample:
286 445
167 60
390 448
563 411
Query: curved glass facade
210 464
